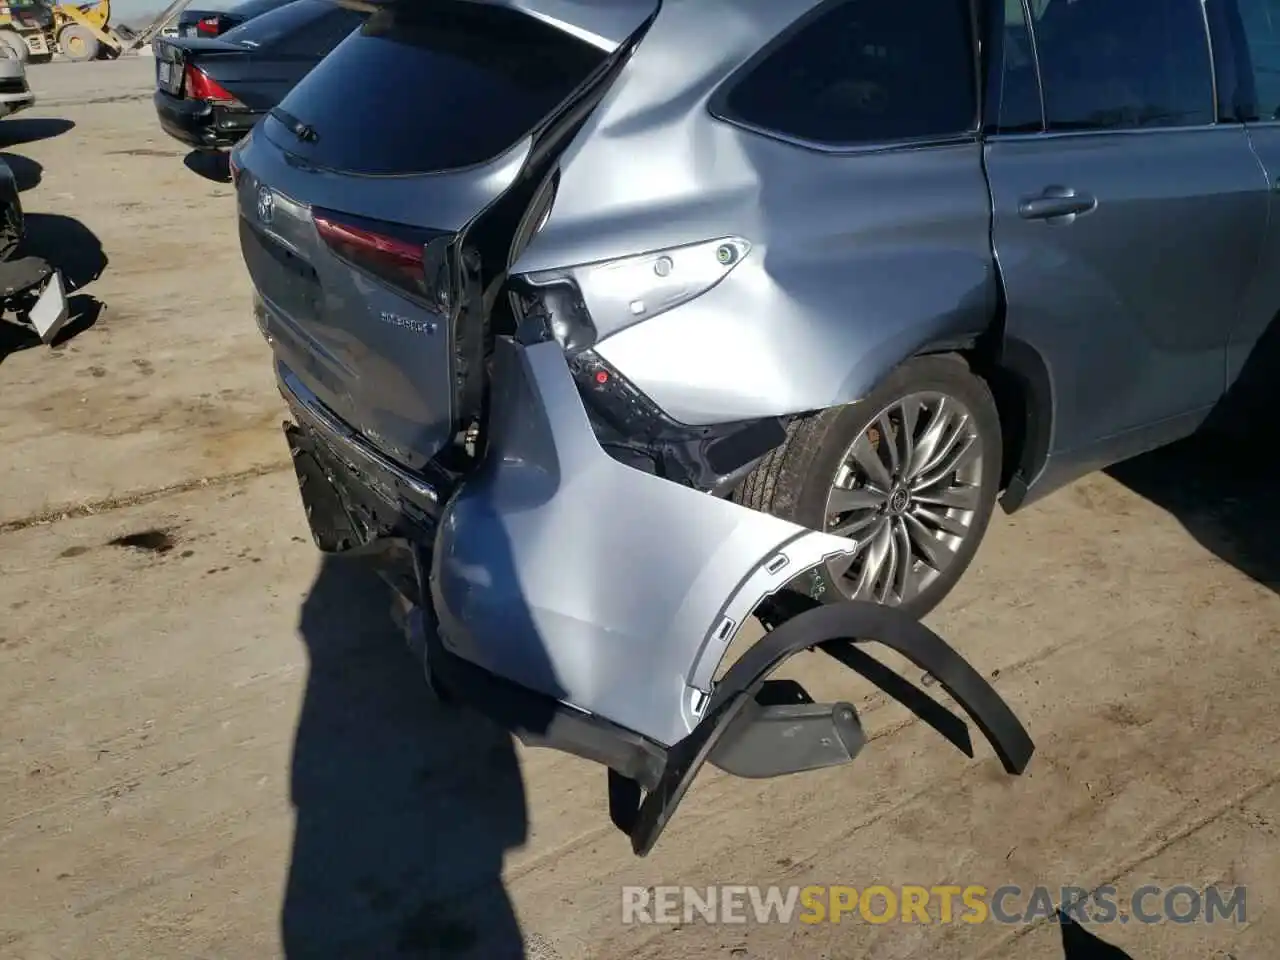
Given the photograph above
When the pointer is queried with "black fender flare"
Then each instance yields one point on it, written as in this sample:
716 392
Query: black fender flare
835 629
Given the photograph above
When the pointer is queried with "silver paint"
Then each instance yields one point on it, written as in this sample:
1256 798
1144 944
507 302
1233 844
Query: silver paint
574 575
611 589
830 297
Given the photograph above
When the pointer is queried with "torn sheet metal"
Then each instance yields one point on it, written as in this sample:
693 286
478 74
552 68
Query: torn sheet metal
607 588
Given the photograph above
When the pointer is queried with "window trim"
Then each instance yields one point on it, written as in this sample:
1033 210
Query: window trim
1241 53
1213 62
1122 131
717 103
995 28
1047 133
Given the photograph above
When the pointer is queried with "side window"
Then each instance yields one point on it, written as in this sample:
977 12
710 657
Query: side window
1259 22
864 71
1109 65
322 34
1013 88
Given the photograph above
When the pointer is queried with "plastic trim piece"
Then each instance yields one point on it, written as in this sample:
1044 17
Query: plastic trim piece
827 627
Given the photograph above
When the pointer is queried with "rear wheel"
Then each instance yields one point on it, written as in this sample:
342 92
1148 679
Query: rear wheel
15 43
78 44
910 472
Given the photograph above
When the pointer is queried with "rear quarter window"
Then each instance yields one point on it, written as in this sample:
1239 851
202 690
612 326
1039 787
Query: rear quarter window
858 72
439 87
269 28
319 37
254 8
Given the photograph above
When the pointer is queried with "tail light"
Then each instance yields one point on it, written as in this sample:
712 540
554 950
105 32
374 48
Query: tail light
414 262
201 86
208 26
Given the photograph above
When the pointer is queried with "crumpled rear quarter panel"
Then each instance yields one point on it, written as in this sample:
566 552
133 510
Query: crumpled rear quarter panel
602 586
859 258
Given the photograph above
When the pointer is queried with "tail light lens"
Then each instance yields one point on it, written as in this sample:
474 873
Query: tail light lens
417 263
201 86
207 26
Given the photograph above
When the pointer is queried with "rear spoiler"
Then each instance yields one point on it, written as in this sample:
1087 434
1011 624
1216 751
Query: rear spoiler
605 24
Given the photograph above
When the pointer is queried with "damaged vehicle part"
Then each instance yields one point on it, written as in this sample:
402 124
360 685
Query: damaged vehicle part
621 670
477 401
32 292
743 719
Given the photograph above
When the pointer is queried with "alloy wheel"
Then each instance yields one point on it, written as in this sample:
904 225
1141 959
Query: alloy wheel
907 491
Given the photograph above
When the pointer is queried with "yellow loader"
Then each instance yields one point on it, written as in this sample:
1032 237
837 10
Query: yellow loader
84 31
26 28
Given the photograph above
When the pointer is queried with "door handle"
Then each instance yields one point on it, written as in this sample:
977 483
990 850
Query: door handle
1057 204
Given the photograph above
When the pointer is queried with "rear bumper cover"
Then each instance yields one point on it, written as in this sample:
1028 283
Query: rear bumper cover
202 125
588 607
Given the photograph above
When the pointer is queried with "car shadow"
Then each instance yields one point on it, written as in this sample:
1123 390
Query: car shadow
83 311
212 165
66 244
404 807
71 247
26 172
1079 944
1221 483
16 130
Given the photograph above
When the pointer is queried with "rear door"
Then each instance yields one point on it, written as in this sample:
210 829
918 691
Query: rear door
1247 50
1128 229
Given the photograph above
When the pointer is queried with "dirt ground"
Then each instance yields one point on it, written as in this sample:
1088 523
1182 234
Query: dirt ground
212 744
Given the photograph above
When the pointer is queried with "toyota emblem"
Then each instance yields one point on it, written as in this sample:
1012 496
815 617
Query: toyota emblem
266 204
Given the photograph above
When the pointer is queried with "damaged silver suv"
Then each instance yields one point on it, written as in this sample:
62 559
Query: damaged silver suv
609 325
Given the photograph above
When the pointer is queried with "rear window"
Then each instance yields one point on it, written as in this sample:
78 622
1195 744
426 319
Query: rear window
443 86
863 71
267 29
254 8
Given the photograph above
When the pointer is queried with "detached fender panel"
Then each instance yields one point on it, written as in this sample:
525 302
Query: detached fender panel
834 629
609 589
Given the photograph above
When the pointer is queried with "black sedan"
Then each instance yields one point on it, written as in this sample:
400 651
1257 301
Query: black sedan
210 92
214 23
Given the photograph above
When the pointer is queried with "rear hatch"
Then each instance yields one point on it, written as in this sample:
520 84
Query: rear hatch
380 199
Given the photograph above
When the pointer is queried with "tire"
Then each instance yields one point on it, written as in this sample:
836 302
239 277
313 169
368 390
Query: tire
11 229
795 481
77 44
14 42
